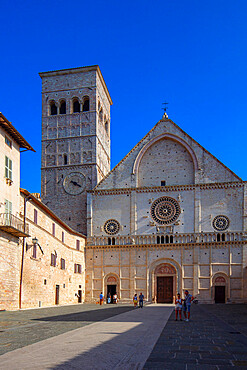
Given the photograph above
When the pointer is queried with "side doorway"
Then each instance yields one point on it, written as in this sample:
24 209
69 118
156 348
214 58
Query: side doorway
111 290
57 295
220 294
79 295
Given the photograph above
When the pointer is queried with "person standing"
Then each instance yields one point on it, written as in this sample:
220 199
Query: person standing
178 307
109 298
115 298
135 300
187 304
101 298
141 298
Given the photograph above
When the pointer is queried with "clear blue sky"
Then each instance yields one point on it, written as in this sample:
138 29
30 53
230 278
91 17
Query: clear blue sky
189 53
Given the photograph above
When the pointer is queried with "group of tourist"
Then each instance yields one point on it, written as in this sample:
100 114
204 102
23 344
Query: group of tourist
180 304
110 299
183 304
138 299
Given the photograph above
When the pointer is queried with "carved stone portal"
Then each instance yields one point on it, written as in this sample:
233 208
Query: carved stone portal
165 269
111 279
220 279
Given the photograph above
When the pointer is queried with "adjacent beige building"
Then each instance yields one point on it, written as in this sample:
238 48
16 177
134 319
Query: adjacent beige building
12 229
42 260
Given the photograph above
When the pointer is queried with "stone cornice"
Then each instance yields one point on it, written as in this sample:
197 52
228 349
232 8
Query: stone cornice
169 246
155 189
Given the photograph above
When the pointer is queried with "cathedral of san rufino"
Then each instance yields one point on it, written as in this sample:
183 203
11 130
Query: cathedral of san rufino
169 217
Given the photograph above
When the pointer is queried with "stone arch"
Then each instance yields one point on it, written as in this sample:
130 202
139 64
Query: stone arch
52 107
161 140
112 279
163 267
86 103
62 106
220 278
75 105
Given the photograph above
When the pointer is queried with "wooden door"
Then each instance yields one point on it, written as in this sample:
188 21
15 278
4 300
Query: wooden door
57 295
164 289
220 294
79 295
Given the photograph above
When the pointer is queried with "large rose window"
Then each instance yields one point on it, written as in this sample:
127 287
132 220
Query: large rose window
165 210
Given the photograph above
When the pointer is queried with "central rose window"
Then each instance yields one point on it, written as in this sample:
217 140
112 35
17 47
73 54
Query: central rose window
165 210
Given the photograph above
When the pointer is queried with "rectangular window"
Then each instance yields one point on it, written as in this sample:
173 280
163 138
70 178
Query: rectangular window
77 268
62 264
35 216
8 206
53 260
8 142
35 251
163 183
8 168
62 236
53 229
78 245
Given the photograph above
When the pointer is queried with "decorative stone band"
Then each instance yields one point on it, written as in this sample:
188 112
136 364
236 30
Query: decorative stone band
155 189
178 239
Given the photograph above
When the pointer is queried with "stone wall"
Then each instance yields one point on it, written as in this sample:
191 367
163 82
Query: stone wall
40 278
197 268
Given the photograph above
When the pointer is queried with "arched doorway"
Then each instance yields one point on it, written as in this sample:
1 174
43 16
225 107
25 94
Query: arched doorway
111 286
220 289
165 283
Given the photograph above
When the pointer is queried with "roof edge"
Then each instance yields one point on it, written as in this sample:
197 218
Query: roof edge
12 131
67 71
52 214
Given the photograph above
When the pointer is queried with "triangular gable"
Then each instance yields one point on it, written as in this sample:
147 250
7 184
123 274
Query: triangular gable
209 168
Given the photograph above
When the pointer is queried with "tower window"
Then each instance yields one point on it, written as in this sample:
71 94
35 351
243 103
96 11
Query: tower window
53 109
101 115
62 109
106 126
76 106
86 105
65 159
163 183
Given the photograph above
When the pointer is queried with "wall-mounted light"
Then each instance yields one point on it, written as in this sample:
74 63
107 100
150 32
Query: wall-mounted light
34 242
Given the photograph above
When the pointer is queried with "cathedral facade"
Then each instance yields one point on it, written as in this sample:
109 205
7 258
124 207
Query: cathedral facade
167 218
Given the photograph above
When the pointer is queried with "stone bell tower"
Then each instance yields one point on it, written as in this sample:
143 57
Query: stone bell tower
75 140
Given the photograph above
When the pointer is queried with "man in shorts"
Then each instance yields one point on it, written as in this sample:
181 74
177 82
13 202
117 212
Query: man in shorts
187 304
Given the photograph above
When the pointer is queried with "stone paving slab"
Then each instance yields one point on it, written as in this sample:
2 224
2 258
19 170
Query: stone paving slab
213 339
120 342
21 328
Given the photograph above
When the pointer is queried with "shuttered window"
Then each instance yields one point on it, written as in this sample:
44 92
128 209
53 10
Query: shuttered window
8 168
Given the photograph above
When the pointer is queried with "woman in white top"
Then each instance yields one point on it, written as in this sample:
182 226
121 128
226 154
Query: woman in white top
178 307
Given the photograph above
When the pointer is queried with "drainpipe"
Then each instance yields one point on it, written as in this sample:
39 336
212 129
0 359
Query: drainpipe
26 199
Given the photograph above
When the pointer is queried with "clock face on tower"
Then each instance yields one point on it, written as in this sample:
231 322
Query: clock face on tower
74 183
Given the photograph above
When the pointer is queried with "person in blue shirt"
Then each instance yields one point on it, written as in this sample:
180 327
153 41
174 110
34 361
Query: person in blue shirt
141 297
101 298
186 305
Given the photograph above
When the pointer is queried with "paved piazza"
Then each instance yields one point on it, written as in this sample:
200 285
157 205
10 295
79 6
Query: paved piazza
119 337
